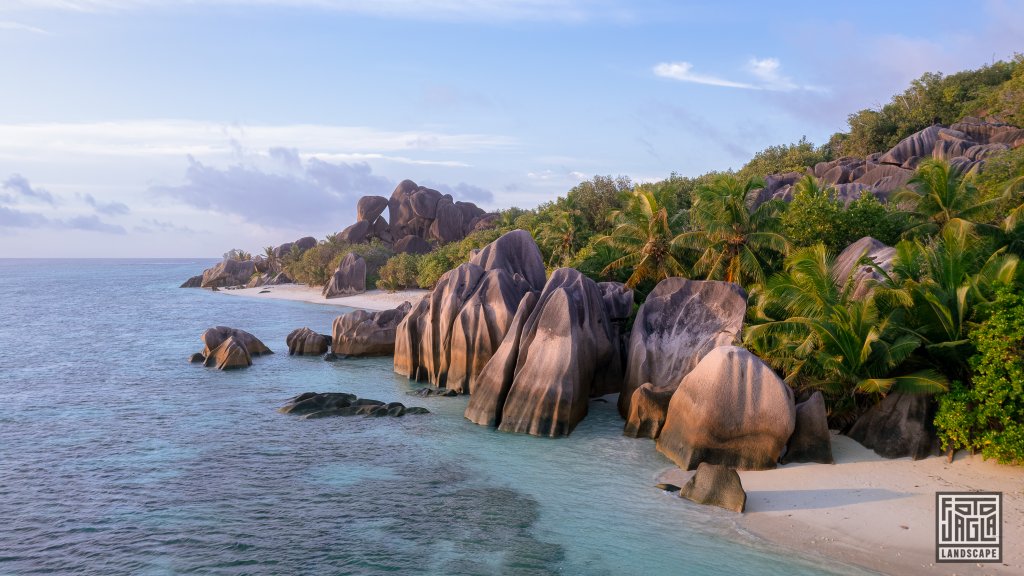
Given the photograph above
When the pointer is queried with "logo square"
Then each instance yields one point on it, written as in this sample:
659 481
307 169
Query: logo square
968 527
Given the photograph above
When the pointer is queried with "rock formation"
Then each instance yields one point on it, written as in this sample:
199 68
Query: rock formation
647 411
811 441
715 485
900 425
193 282
365 333
861 276
228 273
348 279
228 354
311 405
731 409
680 322
213 337
305 342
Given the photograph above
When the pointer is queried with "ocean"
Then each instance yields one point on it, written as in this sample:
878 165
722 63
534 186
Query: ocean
119 457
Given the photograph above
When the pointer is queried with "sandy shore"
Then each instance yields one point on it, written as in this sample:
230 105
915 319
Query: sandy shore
872 512
370 300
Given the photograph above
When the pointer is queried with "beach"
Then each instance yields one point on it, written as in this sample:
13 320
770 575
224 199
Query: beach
875 512
369 300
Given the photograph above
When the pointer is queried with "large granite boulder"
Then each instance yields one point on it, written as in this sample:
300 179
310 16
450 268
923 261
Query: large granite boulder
900 425
213 337
454 331
227 355
647 410
715 485
348 279
811 441
305 342
447 226
885 178
369 208
228 273
300 245
356 233
860 278
731 409
680 322
917 144
565 352
411 245
365 333
429 215
618 304
193 282
990 132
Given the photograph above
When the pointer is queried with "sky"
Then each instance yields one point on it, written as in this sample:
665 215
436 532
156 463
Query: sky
184 128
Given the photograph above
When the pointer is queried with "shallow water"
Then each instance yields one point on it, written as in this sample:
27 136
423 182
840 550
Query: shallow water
119 457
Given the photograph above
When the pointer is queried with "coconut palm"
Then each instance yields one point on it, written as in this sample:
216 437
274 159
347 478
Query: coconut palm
734 243
560 236
941 193
811 328
643 233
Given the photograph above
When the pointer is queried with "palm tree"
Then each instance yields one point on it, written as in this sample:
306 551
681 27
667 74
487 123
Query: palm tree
560 235
811 328
272 260
734 243
643 232
940 193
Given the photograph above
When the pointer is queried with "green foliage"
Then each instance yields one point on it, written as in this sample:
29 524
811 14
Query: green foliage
733 243
939 194
814 215
315 266
431 266
1006 101
399 272
785 158
237 254
989 415
595 199
644 235
867 216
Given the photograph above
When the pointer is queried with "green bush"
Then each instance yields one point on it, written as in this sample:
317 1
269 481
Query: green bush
399 272
785 158
867 216
814 215
989 415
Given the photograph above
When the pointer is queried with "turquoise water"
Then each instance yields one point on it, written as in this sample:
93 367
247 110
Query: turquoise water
119 457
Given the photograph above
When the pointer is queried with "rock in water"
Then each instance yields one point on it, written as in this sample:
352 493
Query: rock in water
348 279
213 337
228 354
364 333
647 411
716 485
313 405
900 425
306 342
193 282
667 487
564 354
811 441
680 322
731 409
228 273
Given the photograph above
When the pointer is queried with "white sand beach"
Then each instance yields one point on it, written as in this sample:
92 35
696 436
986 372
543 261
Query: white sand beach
874 512
369 300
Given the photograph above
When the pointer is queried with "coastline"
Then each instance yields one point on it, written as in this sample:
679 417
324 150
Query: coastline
874 512
369 300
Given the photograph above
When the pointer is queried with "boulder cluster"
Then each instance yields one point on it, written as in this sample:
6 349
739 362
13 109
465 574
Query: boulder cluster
965 145
312 405
226 348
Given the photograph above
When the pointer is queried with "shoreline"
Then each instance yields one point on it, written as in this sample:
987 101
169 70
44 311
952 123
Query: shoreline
374 300
873 512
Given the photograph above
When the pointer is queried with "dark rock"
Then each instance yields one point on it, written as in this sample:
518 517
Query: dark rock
382 230
411 245
424 202
900 425
667 487
482 222
197 358
228 273
448 227
715 485
680 322
348 279
193 282
416 410
365 333
356 233
811 441
306 342
367 402
369 208
731 409
425 392
331 357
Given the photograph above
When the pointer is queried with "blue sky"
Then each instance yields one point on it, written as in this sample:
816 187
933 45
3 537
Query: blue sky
184 128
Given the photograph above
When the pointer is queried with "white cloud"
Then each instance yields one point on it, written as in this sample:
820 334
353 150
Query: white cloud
683 71
18 26
150 138
765 71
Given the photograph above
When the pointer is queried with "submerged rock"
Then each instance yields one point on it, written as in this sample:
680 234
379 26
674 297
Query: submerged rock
715 485
312 405
365 333
680 322
731 409
305 342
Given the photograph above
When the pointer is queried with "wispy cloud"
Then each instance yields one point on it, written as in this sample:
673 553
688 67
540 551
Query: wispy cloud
766 73
109 208
149 138
472 10
21 27
21 187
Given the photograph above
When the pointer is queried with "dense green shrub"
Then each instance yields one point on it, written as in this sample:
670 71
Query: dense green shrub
316 265
814 215
399 272
867 216
989 415
785 158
